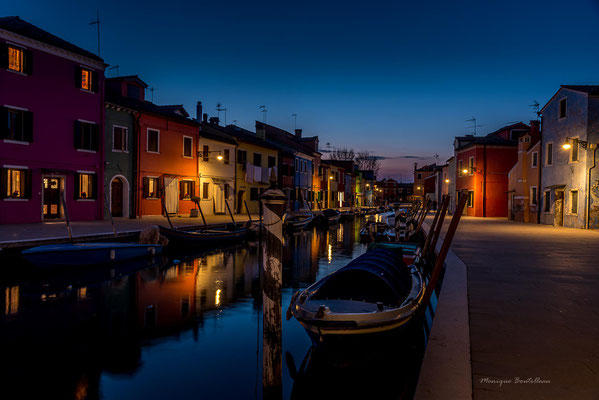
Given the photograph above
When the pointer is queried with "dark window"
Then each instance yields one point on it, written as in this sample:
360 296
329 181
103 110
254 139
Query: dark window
563 108
470 198
418 176
186 189
549 154
574 151
17 124
205 153
151 187
272 161
254 194
187 147
226 156
86 136
257 159
535 159
547 201
119 138
205 188
533 196
133 91
242 156
16 58
15 183
85 186
153 140
574 201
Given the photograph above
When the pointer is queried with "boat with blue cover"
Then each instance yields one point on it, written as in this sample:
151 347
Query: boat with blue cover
83 254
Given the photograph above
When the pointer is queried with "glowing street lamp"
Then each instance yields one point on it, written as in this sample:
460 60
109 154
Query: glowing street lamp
219 157
446 180
465 171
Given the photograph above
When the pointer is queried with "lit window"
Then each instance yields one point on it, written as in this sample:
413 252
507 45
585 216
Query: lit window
17 185
86 79
186 190
574 201
187 147
151 188
119 138
86 186
11 300
16 58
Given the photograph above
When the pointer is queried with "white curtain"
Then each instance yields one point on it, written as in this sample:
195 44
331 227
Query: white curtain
171 189
219 197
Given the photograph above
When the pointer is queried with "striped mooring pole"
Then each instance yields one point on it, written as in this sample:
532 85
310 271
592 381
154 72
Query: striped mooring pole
273 201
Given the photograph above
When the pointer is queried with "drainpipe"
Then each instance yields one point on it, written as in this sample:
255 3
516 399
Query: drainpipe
136 165
588 224
540 167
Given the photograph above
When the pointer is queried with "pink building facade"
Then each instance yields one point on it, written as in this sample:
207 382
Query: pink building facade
51 134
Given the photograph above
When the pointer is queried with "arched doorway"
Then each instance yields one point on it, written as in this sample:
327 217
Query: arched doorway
119 196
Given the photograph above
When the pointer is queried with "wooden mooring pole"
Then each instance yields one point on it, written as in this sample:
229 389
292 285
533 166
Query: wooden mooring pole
273 201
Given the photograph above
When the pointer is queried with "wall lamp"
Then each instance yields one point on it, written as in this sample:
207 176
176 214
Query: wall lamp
574 142
446 180
219 157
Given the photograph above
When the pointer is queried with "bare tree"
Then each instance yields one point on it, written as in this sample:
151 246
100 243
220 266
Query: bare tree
342 154
367 162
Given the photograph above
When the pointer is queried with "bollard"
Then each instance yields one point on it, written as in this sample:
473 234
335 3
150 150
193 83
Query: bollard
273 201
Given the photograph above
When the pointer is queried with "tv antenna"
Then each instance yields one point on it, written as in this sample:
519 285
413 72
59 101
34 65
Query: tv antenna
264 111
294 121
235 122
219 108
97 22
474 125
152 91
535 108
436 157
115 67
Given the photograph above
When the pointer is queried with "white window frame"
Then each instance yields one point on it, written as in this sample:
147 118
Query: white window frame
547 153
471 166
559 108
575 145
577 201
126 139
148 140
532 159
531 198
183 150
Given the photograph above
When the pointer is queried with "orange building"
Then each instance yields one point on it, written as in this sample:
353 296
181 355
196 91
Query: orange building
482 166
420 174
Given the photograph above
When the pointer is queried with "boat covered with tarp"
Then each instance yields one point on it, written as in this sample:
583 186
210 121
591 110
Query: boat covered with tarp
204 237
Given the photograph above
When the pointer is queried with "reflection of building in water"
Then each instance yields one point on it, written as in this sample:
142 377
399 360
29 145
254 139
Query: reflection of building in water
299 262
11 300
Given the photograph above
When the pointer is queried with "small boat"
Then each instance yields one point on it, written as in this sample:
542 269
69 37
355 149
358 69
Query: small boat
297 220
329 216
83 254
347 215
377 232
202 237
376 292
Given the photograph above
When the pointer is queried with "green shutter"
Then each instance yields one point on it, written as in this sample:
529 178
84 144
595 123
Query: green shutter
76 186
28 126
94 190
95 144
3 182
28 65
180 190
3 55
77 135
4 123
78 77
95 81
146 187
28 184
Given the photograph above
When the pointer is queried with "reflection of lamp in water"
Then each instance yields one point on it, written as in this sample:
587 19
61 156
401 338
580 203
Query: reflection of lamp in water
330 253
217 297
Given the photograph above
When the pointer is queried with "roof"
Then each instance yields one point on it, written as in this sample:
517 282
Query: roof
24 28
135 78
244 135
210 132
430 167
492 139
285 138
145 106
588 89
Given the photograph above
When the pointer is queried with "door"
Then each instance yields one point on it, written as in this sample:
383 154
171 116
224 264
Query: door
558 217
116 197
219 199
171 194
51 198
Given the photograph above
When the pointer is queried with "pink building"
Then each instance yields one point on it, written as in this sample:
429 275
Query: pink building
51 134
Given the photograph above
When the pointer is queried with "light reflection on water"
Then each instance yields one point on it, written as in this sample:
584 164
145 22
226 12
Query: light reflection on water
167 330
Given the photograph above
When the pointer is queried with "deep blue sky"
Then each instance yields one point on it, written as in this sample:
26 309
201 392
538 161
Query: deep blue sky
395 78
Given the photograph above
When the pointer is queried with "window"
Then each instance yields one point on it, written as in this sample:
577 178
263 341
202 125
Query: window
226 156
471 166
470 203
18 124
533 196
460 168
151 188
563 108
549 154
153 145
547 201
205 189
272 161
17 58
254 194
133 91
86 79
16 183
297 167
186 190
85 186
574 151
119 139
242 156
86 136
257 159
419 176
187 147
535 159
574 201
205 153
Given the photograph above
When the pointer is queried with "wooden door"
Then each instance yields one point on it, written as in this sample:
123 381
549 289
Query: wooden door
559 208
51 198
116 198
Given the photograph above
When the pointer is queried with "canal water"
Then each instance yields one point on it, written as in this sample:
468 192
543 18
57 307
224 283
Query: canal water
187 326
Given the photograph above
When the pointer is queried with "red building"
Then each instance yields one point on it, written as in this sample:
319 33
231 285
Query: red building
482 167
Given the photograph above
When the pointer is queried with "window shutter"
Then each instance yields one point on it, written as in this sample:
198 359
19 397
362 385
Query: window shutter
180 190
146 187
3 55
94 191
28 65
76 186
4 119
95 145
78 77
77 135
28 184
95 81
3 182
28 126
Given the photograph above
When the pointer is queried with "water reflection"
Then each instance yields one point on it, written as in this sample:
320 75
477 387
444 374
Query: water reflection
186 326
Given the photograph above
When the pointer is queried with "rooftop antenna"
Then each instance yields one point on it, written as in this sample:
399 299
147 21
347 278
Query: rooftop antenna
436 157
152 91
97 22
264 111
235 122
474 125
219 108
535 108
294 121
115 67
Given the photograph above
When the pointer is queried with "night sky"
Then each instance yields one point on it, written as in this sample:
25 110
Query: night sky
395 78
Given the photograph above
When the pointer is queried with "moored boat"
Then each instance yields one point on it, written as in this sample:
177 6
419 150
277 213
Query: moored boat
297 220
204 237
329 216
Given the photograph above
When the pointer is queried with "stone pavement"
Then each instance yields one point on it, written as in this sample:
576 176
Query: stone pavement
533 296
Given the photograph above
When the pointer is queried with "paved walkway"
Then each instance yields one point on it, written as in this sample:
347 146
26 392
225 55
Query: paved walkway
533 294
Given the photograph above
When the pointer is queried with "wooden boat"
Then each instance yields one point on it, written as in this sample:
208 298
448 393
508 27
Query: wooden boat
376 232
329 216
297 220
347 215
203 237
374 293
83 254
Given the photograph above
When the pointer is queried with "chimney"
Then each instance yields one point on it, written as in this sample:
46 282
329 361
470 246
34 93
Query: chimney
415 166
205 118
214 121
199 110
298 133
535 130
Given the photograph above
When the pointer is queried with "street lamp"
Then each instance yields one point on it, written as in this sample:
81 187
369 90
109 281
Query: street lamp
465 171
446 180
